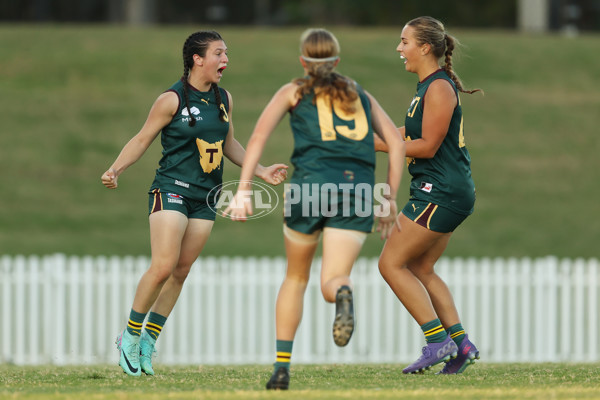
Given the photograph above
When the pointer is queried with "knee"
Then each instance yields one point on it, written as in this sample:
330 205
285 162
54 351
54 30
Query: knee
160 273
329 288
181 272
422 271
161 269
385 267
298 281
328 295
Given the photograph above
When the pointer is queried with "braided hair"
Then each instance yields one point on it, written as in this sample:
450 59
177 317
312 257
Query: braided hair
431 31
197 43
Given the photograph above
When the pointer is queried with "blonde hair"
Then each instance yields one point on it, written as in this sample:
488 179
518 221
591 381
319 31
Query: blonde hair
428 30
320 50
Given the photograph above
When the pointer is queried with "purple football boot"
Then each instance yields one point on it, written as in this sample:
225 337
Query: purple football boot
433 353
467 354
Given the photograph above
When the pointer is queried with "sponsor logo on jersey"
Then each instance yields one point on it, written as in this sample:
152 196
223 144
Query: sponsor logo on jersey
194 110
183 184
426 187
211 155
186 114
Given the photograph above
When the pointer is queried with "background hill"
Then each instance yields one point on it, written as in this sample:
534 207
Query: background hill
72 96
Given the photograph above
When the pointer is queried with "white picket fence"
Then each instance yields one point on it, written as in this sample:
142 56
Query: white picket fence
68 310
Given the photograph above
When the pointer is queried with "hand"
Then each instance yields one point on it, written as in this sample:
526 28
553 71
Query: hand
274 174
240 206
109 178
386 224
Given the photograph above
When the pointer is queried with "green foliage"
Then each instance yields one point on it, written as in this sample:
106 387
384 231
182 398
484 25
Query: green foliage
371 381
466 13
72 96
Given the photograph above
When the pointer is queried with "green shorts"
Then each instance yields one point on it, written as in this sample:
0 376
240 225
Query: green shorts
159 201
308 214
432 217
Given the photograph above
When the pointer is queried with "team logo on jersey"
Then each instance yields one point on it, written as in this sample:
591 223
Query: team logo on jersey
194 110
211 155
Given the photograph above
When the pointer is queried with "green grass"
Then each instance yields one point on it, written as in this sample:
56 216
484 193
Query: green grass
370 381
72 96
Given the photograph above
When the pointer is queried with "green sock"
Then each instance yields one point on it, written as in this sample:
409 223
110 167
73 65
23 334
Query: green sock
457 333
155 324
135 323
434 331
284 354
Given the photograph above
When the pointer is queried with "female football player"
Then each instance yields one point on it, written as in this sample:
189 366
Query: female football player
195 117
332 120
442 195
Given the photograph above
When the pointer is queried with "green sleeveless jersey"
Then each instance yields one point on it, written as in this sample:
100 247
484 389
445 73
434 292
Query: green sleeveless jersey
192 156
331 146
445 179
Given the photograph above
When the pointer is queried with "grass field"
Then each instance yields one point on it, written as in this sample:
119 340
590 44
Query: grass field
72 96
483 381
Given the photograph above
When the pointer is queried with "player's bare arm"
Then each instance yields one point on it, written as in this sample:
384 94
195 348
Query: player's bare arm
161 113
440 102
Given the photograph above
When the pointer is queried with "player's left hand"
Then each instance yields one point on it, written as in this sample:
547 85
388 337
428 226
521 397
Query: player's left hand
240 206
274 174
386 224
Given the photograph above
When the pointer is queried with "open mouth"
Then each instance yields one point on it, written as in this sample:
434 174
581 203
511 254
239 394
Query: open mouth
220 71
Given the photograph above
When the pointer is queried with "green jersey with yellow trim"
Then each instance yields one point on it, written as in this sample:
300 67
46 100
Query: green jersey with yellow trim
445 179
331 146
192 156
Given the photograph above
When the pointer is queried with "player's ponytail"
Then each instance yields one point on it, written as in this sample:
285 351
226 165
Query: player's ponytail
450 44
428 30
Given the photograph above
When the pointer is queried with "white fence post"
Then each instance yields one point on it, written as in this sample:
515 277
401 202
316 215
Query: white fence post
68 310
6 281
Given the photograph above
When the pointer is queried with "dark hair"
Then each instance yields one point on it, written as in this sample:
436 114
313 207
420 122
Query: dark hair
431 31
197 43
318 44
